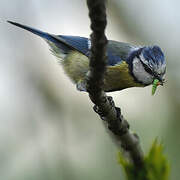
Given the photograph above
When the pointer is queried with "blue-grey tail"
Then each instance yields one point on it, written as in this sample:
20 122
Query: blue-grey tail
34 31
42 34
57 44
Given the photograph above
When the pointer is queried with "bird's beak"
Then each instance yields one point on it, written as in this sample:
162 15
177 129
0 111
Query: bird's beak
155 84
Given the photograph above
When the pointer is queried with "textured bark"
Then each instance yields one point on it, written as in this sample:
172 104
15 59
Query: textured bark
104 105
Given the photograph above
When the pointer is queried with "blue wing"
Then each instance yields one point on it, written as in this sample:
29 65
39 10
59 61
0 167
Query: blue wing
81 44
75 42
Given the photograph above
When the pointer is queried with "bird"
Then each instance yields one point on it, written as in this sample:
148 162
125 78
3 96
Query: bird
127 65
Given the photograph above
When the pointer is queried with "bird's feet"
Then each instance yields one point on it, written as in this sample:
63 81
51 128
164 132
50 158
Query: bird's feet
81 86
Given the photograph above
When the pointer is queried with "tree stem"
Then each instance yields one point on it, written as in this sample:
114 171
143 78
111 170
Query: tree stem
104 105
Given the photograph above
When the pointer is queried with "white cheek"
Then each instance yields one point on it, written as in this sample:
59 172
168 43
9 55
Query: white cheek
140 73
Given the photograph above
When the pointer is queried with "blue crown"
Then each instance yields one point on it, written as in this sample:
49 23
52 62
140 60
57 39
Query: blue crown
153 55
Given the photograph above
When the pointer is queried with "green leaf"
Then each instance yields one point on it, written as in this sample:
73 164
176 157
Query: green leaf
156 166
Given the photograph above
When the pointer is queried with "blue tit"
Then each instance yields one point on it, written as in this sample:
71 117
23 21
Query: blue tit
127 65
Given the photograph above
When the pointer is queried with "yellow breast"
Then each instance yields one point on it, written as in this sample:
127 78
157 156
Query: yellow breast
118 77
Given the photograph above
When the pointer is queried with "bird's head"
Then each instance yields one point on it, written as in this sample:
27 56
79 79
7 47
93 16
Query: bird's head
148 64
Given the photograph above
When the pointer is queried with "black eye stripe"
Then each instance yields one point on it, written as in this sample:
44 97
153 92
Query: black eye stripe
147 69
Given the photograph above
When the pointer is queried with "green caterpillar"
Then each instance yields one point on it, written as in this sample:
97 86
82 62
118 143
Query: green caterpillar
156 83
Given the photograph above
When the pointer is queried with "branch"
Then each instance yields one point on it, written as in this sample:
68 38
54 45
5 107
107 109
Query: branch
104 105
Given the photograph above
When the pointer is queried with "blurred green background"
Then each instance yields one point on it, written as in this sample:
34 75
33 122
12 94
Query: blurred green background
48 129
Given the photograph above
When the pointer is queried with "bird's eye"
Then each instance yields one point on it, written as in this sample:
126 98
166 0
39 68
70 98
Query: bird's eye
147 68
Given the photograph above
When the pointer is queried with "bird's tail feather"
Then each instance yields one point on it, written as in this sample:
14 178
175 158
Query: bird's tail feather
58 46
42 34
